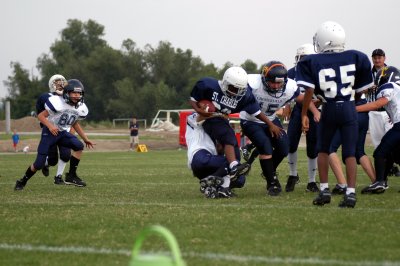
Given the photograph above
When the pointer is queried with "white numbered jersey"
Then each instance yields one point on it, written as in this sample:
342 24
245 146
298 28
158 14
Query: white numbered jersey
391 91
62 114
269 104
197 139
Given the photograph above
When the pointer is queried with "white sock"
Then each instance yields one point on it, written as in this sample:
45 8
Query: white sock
350 190
323 186
46 163
227 181
292 161
312 169
233 164
60 167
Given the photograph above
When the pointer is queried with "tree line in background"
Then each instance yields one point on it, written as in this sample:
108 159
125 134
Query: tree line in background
118 83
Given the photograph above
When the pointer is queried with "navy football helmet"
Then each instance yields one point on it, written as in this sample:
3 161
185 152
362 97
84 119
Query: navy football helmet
276 72
387 74
73 85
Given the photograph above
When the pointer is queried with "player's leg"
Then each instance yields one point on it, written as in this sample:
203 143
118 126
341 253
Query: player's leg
312 154
219 129
294 135
71 141
260 137
47 139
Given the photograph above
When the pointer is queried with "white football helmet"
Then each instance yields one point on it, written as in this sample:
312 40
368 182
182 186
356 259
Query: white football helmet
57 83
305 49
234 82
329 37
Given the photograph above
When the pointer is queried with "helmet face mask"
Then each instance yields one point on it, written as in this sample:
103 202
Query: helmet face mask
57 83
274 77
329 37
234 82
73 93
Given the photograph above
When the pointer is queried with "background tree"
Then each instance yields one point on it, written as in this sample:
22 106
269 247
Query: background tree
118 83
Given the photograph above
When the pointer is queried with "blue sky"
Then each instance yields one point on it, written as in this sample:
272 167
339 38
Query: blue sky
217 31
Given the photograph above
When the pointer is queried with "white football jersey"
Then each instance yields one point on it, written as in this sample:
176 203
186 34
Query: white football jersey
269 104
64 115
391 91
197 139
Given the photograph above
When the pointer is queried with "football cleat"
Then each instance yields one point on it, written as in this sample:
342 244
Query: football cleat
211 181
338 190
20 184
274 188
45 170
377 187
238 170
245 152
73 179
211 192
312 187
324 197
349 201
291 182
58 180
225 192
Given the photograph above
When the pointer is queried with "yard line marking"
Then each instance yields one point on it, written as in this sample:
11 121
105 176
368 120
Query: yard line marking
207 255
197 206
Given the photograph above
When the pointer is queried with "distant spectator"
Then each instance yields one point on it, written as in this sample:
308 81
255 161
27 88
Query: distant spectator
15 139
134 133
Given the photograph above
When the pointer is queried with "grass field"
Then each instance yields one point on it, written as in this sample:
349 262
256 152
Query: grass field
47 224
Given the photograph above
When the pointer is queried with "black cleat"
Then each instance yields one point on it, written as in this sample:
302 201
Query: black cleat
211 193
20 184
225 192
238 170
349 201
291 182
210 181
338 190
274 188
58 180
74 180
377 187
45 170
324 197
312 187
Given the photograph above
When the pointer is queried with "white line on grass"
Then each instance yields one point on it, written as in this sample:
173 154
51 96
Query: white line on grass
217 204
207 255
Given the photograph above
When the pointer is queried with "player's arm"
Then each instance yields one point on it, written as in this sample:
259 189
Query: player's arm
306 104
200 110
372 105
82 134
43 119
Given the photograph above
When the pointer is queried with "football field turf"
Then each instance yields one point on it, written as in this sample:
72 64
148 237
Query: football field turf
46 224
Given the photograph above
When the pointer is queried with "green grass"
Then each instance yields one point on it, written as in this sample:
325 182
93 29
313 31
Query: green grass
47 224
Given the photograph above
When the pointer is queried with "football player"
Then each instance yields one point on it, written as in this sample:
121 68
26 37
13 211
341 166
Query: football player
61 113
207 162
335 75
294 133
272 90
229 95
57 83
387 96
379 122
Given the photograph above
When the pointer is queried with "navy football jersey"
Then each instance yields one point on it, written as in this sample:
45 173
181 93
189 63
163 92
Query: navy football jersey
40 103
292 73
335 76
210 89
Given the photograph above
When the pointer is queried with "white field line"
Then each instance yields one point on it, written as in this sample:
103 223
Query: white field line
217 204
207 255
